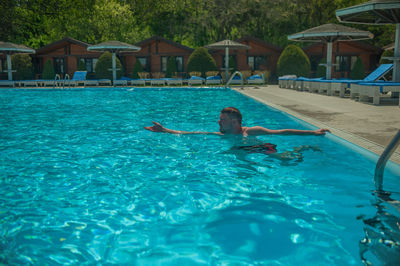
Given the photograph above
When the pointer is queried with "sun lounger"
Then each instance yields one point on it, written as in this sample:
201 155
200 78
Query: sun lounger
195 80
91 82
174 81
27 83
120 82
374 90
256 79
286 81
7 83
339 86
79 77
214 80
236 80
136 82
158 82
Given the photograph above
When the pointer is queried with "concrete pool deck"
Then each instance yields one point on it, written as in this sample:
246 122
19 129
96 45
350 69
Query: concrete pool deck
366 125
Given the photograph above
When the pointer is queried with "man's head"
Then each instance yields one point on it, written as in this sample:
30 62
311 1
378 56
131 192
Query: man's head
230 121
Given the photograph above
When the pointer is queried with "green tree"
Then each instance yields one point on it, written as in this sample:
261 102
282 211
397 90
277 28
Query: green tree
201 60
358 72
386 53
137 68
293 61
321 69
22 63
48 70
104 64
171 67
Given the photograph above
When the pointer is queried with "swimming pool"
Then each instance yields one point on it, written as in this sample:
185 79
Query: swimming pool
83 183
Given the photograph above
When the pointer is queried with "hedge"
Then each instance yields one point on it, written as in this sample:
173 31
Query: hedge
48 70
104 65
293 61
22 63
201 61
357 72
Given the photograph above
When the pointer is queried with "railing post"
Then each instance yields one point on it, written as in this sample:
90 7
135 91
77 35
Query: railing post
380 165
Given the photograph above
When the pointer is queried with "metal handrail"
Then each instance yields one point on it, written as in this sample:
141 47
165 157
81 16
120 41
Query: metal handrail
233 75
66 78
380 165
57 77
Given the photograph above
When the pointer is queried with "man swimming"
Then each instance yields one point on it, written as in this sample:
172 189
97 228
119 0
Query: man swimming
230 122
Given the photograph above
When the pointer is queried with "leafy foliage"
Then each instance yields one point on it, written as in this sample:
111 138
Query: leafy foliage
201 60
48 70
321 70
193 23
293 61
22 63
104 64
171 67
357 72
137 68
386 53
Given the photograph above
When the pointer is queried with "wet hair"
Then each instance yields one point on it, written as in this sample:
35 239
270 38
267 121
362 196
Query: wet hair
233 113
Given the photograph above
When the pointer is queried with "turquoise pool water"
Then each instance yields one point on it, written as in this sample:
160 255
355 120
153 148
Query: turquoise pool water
81 182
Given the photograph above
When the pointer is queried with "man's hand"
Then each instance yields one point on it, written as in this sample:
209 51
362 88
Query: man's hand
321 131
157 128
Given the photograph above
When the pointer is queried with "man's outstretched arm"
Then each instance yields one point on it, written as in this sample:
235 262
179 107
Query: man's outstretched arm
157 127
257 130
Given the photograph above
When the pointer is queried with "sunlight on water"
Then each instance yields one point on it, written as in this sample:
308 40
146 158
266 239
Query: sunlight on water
83 183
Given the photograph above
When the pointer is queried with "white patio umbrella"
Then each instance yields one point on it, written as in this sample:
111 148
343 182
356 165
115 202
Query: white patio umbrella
114 47
226 44
377 12
11 48
330 33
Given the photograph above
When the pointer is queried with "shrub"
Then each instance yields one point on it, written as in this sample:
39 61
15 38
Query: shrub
104 64
22 63
386 53
81 65
201 60
293 61
321 70
48 70
137 68
171 67
358 72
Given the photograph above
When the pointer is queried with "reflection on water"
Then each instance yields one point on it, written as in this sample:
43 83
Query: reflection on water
382 232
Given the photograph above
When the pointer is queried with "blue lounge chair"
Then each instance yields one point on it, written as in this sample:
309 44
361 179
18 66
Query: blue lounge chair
340 85
7 83
195 80
79 78
174 81
287 81
374 90
256 79
214 80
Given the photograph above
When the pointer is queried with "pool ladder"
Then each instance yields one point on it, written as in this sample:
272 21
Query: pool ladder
66 79
380 165
233 75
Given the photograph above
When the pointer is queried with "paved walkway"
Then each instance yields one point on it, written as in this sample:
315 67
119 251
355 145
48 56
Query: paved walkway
366 125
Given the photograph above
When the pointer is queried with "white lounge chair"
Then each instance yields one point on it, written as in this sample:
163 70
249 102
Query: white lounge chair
374 90
195 80
256 79
213 80
7 83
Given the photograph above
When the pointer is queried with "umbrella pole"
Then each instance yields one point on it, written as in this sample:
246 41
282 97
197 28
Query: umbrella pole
114 67
396 63
9 67
329 61
226 64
